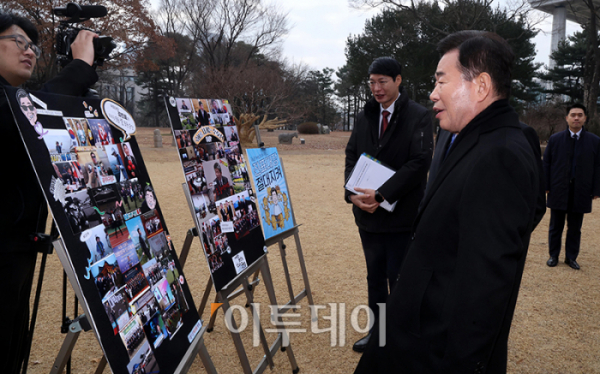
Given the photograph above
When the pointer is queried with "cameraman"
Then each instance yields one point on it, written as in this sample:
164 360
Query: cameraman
23 210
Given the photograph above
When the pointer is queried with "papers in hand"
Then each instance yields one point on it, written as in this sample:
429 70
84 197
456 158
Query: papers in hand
370 173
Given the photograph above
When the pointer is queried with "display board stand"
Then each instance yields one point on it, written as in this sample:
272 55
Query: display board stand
230 292
306 292
81 323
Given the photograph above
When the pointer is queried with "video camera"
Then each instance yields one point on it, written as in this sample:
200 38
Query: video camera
67 33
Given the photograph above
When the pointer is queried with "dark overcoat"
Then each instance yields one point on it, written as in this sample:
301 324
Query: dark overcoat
406 147
452 306
557 168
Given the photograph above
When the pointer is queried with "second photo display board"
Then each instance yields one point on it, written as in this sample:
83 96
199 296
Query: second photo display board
225 207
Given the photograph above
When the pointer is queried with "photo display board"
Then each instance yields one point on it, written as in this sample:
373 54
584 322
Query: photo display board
271 191
225 207
117 244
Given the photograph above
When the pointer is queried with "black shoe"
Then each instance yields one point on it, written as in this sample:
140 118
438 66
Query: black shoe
572 263
361 344
552 262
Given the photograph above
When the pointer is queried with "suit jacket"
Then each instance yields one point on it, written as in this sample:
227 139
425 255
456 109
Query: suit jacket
452 306
203 118
406 147
557 168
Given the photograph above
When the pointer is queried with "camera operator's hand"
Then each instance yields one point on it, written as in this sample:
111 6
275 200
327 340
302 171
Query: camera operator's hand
83 46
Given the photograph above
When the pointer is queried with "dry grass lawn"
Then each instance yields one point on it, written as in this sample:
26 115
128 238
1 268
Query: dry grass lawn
555 329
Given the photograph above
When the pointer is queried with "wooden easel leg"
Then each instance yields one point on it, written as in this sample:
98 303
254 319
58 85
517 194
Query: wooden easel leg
303 268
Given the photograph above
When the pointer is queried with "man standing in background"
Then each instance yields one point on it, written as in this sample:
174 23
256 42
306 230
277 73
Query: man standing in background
398 132
572 168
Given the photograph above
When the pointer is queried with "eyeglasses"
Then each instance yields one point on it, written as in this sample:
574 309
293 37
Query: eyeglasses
23 44
380 83
29 108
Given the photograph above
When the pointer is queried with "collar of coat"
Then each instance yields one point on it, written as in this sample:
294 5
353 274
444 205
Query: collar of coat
498 115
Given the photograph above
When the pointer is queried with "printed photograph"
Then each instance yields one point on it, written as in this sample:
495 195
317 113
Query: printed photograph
156 331
57 141
107 276
172 318
219 179
158 245
132 195
72 130
117 309
138 237
80 211
163 295
148 306
69 174
115 156
98 243
126 255
101 131
204 206
183 138
201 111
143 361
135 282
104 170
151 222
90 164
150 202
231 135
131 165
133 336
153 271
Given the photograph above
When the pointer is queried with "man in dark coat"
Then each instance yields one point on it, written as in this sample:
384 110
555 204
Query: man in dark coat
572 168
453 303
24 210
444 138
403 141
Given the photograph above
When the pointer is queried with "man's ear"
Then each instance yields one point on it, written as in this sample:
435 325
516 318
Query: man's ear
484 88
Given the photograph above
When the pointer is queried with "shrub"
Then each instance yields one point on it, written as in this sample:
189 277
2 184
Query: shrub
308 128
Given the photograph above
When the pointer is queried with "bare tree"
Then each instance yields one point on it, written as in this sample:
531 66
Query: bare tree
128 23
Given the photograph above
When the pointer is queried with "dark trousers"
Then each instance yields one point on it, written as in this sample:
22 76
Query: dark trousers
384 253
557 224
17 269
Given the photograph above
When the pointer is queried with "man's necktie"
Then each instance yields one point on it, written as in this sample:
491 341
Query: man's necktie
384 122
450 145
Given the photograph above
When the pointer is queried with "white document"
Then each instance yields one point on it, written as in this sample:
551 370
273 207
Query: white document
370 173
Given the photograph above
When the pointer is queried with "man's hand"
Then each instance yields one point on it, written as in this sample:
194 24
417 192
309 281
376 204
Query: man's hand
83 46
366 201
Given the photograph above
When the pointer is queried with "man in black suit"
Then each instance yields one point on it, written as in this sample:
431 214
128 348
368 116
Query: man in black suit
203 116
572 168
454 299
398 132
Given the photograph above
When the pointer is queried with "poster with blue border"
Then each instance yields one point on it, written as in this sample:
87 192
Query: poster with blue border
271 191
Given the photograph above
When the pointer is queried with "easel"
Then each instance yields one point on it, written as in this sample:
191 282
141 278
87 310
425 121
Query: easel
81 323
306 292
230 292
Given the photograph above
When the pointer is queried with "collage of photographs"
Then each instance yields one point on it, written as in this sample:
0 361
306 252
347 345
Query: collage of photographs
114 212
217 177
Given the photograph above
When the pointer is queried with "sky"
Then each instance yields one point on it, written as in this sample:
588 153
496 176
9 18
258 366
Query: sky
319 29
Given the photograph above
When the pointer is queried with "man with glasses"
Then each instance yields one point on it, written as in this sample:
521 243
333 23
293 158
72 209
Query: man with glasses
24 211
398 132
